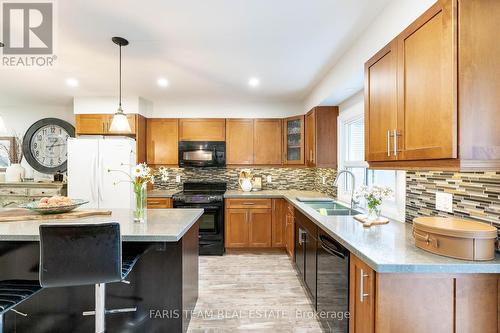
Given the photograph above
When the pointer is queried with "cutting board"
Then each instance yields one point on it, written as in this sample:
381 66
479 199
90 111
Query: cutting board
364 219
20 214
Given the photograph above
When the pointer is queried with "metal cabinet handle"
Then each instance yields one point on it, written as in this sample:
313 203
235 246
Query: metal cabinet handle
362 294
395 142
248 203
301 236
388 142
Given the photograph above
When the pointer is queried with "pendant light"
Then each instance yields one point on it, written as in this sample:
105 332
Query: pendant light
120 122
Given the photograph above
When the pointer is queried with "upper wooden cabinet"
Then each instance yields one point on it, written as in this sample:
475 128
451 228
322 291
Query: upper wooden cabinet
293 140
162 141
381 102
239 141
253 142
202 129
321 136
445 69
267 141
98 124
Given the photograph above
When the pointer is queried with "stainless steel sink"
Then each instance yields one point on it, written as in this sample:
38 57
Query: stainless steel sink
329 208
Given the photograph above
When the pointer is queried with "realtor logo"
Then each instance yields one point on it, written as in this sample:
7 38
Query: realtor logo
28 29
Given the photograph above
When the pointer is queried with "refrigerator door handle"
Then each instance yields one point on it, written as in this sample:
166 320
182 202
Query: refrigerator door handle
101 176
92 178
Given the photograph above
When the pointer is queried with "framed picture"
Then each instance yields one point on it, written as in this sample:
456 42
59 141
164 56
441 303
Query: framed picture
6 142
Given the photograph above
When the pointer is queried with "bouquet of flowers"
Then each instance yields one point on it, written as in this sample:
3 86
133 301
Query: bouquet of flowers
142 174
374 198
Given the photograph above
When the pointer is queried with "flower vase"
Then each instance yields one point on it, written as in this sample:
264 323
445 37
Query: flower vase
140 191
373 213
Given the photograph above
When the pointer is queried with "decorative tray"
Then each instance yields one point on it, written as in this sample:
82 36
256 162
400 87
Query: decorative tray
35 206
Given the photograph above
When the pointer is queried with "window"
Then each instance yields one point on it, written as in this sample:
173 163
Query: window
351 157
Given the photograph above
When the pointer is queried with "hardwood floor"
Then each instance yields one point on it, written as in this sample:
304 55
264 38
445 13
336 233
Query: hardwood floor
251 292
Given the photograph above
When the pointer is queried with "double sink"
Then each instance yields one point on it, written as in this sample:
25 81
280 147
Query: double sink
328 207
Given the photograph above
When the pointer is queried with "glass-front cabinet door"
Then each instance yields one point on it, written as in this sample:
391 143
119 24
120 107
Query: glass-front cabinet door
294 140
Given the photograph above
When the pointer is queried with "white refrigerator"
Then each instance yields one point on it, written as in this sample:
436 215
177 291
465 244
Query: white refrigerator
89 159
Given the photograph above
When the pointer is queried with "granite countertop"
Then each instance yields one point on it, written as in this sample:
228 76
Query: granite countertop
162 225
386 248
162 193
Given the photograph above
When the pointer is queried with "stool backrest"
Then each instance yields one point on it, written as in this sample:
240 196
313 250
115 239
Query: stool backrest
80 254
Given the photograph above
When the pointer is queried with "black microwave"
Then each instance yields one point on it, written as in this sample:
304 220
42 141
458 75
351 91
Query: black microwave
202 154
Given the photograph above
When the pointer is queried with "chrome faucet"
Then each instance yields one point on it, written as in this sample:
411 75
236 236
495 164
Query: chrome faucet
354 203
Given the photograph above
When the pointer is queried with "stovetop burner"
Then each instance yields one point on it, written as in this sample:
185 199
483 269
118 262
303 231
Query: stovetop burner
201 192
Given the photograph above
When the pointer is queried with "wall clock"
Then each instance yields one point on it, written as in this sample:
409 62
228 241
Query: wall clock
45 145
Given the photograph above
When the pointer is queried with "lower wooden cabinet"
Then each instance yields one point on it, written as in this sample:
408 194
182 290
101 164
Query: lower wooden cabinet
246 226
290 231
420 303
361 297
278 238
159 203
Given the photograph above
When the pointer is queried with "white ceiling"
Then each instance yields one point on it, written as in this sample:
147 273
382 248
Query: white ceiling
206 49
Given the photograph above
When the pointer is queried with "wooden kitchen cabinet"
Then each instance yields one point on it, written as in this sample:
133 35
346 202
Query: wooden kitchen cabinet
98 124
267 142
162 141
278 237
293 140
361 297
321 136
159 203
248 223
447 95
290 231
239 141
198 129
381 102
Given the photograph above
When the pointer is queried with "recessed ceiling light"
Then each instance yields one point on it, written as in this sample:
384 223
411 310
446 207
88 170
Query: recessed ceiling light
253 82
162 82
72 82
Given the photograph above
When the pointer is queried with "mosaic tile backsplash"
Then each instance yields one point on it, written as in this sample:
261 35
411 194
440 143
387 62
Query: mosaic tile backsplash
282 178
476 195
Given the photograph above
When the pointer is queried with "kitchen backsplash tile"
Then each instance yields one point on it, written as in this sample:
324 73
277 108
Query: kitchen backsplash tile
282 178
476 195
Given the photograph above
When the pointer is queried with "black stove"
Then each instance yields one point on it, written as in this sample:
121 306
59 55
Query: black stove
210 197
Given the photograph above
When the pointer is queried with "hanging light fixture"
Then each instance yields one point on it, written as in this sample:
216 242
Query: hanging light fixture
120 121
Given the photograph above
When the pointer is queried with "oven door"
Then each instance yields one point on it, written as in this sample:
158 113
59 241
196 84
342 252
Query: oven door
211 222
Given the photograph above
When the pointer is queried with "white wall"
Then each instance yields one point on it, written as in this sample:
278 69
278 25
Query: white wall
225 109
355 103
19 118
346 76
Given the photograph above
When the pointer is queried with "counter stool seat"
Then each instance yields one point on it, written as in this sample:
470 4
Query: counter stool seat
14 292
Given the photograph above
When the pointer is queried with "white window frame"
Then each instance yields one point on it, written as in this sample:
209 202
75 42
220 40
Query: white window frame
392 209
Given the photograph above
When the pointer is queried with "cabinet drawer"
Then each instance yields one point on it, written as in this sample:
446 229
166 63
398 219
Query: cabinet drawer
43 192
14 191
248 203
159 203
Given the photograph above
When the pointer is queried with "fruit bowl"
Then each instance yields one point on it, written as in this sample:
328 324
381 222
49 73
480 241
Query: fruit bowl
48 209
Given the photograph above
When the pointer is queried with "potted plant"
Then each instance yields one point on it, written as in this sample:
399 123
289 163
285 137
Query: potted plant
374 198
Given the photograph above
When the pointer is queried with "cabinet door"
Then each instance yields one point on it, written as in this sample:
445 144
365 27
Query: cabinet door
92 123
293 140
427 85
202 129
162 141
361 297
310 138
239 141
236 232
278 226
267 141
259 230
381 104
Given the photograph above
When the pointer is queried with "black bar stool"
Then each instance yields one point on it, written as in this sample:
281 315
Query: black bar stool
13 293
84 254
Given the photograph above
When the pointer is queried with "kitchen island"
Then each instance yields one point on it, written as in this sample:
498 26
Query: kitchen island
163 284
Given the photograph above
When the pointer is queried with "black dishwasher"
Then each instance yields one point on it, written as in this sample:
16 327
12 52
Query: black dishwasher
332 284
